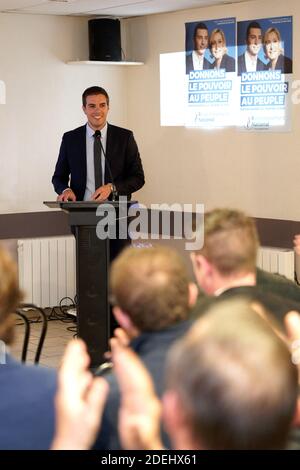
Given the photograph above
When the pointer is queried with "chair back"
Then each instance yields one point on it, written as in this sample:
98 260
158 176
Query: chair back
21 311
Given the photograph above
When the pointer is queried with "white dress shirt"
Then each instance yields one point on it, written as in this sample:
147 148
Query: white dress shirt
90 170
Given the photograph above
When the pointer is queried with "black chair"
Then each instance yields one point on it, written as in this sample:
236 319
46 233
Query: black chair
22 314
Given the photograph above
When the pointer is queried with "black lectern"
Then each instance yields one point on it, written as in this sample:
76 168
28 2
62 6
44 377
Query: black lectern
92 266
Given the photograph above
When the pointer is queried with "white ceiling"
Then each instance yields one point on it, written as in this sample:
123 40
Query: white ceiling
117 8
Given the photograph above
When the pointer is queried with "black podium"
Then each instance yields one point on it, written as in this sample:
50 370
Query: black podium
92 266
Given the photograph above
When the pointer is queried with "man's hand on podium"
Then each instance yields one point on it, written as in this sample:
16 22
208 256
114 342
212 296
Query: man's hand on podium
102 193
66 195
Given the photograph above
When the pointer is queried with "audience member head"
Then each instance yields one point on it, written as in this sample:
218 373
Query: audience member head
231 383
254 38
150 289
10 295
229 250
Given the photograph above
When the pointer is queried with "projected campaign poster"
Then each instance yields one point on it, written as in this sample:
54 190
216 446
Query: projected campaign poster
210 73
264 67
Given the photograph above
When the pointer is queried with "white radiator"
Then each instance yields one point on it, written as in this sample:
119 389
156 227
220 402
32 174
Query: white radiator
277 260
47 269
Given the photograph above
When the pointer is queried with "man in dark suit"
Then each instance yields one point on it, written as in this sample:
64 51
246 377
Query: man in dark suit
76 175
249 61
196 60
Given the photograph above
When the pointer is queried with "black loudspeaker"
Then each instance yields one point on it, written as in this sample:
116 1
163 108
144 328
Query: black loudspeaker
105 39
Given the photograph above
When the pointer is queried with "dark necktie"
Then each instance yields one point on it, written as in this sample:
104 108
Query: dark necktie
97 159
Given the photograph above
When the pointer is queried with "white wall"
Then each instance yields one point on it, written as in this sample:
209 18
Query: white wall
43 100
256 172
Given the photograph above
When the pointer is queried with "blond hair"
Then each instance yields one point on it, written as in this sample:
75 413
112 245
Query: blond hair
235 379
10 295
277 32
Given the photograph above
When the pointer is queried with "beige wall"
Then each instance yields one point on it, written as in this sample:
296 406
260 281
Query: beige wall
256 172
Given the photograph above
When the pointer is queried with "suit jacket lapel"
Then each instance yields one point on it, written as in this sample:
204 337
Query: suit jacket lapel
109 142
109 151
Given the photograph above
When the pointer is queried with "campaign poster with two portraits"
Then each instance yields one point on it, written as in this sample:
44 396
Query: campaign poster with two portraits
239 73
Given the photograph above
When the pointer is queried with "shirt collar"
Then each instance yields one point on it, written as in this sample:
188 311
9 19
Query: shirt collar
90 132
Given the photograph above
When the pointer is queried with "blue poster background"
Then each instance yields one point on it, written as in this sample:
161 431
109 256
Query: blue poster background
283 23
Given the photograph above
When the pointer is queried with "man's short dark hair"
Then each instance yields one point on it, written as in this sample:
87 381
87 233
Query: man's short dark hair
94 90
199 26
253 24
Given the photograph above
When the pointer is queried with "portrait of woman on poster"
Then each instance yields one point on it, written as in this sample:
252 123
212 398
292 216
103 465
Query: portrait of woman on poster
274 52
218 49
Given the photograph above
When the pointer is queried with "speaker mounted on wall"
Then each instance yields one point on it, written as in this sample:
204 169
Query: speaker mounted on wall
105 39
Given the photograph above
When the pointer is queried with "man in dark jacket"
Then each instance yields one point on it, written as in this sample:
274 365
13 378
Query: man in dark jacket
225 267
